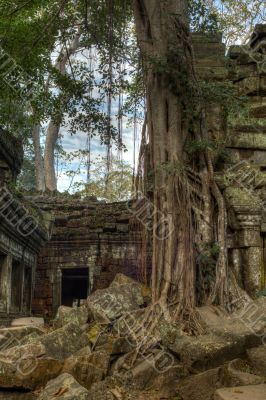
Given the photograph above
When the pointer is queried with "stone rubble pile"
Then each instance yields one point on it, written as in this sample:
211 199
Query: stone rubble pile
109 349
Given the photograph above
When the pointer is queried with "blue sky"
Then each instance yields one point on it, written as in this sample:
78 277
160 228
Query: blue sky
78 142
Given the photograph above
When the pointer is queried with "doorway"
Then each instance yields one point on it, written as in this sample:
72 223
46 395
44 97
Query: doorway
16 286
2 283
264 262
75 284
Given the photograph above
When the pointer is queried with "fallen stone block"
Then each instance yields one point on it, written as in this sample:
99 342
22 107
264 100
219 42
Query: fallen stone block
66 315
253 392
88 369
64 387
257 358
200 386
14 336
65 341
237 373
27 367
122 296
30 321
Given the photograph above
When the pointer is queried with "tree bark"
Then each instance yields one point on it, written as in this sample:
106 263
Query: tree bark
173 269
55 123
49 156
38 162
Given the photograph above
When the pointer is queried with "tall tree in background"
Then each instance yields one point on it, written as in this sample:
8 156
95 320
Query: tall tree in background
55 123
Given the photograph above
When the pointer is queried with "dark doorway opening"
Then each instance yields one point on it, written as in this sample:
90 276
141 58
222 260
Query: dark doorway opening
2 283
75 282
264 262
27 289
16 286
2 260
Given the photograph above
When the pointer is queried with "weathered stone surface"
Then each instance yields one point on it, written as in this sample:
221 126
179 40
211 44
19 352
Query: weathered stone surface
64 387
27 367
233 326
109 304
226 338
157 369
13 336
68 314
30 321
88 369
140 290
110 342
115 387
257 358
200 386
254 392
236 373
65 341
16 396
249 141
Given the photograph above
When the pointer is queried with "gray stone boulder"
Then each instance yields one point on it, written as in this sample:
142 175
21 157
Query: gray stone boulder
200 353
200 386
203 386
66 315
64 387
33 365
225 338
123 295
14 336
257 359
27 367
88 369
237 373
65 341
233 326
28 321
157 369
253 392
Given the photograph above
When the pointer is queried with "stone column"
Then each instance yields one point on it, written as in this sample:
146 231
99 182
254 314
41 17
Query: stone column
5 284
252 269
57 289
249 240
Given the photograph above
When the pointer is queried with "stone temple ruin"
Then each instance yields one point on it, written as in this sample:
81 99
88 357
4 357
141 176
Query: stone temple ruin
242 176
92 241
23 230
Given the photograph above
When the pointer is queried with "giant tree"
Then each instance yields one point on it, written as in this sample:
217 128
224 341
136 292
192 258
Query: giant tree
183 188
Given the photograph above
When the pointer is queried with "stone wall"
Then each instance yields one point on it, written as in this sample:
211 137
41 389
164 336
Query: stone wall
242 174
90 241
23 230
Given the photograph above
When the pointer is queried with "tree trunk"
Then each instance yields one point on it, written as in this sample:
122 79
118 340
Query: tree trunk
54 125
49 156
38 162
171 88
173 269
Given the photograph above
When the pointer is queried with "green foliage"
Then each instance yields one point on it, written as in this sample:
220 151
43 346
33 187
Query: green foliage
26 179
203 17
33 33
195 146
110 187
170 167
261 293
225 94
